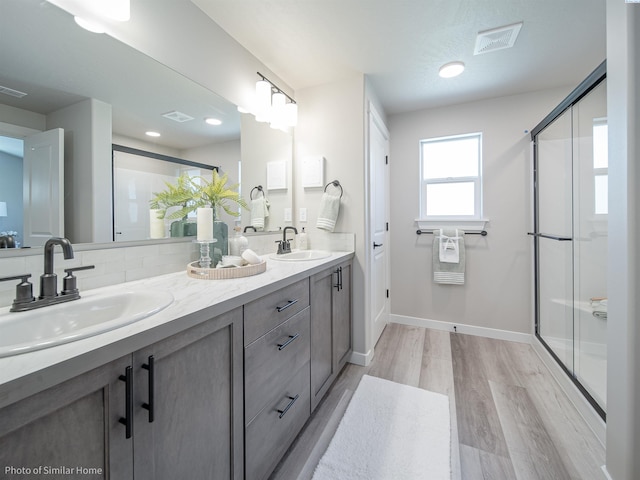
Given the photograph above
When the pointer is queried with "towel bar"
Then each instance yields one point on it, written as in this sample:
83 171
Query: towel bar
336 184
481 232
259 188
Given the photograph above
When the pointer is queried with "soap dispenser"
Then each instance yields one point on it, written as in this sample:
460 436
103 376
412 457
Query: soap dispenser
238 243
303 243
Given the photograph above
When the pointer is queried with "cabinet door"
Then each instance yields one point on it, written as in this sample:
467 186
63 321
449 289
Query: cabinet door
322 365
194 388
70 430
342 317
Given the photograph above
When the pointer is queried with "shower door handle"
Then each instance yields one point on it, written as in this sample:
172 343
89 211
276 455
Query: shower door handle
551 237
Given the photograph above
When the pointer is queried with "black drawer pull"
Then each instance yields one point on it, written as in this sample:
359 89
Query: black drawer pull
281 346
286 305
289 405
150 367
127 420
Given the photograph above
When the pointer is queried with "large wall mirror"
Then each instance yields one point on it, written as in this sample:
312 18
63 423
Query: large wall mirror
94 91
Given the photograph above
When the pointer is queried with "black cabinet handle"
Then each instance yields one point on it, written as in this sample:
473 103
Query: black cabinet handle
338 272
127 421
289 405
150 367
286 305
282 346
376 245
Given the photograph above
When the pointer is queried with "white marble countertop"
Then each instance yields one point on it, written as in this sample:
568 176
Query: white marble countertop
195 301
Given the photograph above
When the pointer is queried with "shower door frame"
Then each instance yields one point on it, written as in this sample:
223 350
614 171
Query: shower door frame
591 82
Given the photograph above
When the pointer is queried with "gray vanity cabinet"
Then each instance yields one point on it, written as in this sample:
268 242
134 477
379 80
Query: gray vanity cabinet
70 430
277 394
188 415
331 342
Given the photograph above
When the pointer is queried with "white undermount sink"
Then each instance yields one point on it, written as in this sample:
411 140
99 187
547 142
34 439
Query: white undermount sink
45 327
301 255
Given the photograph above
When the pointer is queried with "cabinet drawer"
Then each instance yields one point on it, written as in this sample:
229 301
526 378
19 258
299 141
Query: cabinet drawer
271 361
269 435
266 313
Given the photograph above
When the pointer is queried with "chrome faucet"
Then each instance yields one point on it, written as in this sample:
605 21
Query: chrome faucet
283 245
48 281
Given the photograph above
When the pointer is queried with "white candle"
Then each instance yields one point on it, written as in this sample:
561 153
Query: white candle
156 225
205 224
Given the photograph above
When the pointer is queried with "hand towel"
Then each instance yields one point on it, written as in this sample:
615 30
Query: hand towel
259 211
449 250
328 213
447 272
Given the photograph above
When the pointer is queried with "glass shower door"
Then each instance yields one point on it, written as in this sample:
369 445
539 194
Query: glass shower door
571 236
590 245
553 237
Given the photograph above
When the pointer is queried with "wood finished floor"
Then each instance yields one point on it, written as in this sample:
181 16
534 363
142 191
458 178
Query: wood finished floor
509 418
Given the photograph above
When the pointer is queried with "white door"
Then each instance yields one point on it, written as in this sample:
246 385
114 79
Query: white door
378 225
43 187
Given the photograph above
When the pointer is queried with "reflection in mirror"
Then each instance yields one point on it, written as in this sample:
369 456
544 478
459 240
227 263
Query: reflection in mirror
137 176
100 92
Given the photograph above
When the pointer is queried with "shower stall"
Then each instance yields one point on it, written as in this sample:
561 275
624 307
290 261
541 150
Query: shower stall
570 235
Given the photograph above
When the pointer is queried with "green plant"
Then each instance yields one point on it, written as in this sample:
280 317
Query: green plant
190 193
216 194
178 195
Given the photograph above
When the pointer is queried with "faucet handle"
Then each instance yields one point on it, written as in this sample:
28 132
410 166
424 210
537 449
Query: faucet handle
69 282
24 290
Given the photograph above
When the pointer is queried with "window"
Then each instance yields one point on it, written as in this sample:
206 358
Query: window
451 177
601 166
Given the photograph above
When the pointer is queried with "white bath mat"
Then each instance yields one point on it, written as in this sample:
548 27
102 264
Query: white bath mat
390 431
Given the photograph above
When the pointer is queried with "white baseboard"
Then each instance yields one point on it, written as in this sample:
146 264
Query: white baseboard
362 359
462 328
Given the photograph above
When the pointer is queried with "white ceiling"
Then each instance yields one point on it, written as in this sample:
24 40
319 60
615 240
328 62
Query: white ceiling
400 44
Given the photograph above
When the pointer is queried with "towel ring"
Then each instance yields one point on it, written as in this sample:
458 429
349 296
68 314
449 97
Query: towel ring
336 184
259 188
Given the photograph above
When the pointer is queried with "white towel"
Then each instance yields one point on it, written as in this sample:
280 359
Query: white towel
449 250
447 272
259 212
329 210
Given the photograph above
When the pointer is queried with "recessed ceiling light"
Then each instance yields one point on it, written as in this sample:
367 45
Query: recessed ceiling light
152 134
213 121
452 69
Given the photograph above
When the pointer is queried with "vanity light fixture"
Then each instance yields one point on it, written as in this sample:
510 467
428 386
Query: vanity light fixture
152 133
452 69
212 121
273 105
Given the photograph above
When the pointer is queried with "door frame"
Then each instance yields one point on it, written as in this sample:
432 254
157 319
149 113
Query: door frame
373 120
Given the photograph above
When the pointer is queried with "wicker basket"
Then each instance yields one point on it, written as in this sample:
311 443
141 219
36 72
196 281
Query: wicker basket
194 271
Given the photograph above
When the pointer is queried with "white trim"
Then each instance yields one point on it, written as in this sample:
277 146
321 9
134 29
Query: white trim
584 408
362 359
462 328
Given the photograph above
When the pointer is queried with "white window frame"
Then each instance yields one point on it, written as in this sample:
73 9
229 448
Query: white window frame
473 221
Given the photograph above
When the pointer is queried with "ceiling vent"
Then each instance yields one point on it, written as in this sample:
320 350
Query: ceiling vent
177 116
497 38
12 92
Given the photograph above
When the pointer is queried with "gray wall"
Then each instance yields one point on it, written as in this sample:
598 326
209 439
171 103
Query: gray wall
498 285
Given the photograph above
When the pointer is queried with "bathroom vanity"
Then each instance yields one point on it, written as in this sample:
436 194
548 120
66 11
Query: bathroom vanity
217 385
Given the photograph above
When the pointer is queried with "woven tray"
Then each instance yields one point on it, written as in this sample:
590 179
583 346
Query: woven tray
194 271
